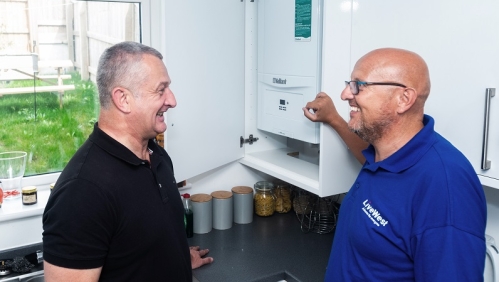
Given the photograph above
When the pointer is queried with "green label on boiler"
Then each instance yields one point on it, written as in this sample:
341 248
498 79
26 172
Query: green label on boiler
303 20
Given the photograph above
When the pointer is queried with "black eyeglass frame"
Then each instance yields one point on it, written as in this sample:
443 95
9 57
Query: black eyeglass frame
354 85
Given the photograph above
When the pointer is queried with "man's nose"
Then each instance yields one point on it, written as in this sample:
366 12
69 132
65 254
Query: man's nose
346 94
170 99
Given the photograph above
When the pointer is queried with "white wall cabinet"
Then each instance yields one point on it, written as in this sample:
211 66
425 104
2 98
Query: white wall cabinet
214 71
460 42
211 54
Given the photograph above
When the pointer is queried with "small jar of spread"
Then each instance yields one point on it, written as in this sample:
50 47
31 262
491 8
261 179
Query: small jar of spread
30 195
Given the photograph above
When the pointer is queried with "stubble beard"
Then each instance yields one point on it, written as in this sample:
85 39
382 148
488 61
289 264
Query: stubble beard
370 131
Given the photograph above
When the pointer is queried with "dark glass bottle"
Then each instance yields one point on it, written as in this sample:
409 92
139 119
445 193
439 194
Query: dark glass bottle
189 221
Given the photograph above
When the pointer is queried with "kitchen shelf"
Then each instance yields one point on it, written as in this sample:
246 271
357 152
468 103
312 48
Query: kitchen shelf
291 169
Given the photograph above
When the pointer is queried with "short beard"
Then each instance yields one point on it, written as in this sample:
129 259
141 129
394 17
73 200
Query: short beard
371 132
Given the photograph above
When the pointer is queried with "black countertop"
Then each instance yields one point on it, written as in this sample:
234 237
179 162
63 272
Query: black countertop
268 249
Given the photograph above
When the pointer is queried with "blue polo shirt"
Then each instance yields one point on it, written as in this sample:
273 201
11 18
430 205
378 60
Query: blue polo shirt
418 215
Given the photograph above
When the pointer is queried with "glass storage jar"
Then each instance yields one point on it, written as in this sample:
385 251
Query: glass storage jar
283 197
264 198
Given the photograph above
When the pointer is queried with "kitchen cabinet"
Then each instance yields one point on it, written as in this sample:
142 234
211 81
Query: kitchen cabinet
213 66
460 43
211 54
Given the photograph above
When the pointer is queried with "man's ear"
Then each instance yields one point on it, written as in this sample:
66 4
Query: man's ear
121 99
406 100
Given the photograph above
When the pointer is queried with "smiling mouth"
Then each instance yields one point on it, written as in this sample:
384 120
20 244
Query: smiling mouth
160 114
354 109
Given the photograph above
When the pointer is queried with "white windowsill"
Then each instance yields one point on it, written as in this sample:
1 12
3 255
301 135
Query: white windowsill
14 209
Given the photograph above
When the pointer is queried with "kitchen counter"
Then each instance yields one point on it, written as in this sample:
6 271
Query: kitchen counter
268 249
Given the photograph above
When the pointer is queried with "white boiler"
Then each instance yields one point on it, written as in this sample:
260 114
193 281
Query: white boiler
289 66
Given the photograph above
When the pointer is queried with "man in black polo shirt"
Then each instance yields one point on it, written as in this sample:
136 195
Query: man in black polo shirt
115 213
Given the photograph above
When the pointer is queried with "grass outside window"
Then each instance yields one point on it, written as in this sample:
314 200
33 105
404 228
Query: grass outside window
34 123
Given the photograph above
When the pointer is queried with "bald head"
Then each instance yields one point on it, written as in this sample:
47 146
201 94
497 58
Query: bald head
402 66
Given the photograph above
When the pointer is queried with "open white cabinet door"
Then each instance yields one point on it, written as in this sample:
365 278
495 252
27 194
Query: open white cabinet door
204 55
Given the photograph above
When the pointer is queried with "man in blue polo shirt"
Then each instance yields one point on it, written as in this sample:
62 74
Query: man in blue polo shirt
417 211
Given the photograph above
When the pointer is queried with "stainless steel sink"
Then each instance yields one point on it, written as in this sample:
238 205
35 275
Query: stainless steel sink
283 276
37 278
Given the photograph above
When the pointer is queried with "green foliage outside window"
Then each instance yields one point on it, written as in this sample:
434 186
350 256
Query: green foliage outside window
35 123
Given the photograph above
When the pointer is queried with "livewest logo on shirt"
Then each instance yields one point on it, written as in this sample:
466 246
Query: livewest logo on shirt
373 213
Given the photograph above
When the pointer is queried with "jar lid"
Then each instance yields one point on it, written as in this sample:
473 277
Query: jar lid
29 189
201 198
221 194
242 190
264 186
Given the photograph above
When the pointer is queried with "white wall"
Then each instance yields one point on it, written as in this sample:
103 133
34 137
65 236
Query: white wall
224 178
20 232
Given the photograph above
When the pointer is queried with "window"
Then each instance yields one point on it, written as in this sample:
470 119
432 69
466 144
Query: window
49 51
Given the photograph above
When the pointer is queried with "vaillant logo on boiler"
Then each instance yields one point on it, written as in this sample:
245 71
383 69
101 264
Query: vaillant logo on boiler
279 81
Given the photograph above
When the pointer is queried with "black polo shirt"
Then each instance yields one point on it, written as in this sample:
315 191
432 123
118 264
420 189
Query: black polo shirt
111 209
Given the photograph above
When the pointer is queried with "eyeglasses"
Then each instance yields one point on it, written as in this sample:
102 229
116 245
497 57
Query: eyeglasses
354 85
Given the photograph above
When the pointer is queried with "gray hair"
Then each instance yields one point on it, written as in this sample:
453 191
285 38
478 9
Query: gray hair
120 65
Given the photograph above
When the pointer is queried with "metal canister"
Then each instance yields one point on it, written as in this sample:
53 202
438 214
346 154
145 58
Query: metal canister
202 209
243 204
222 210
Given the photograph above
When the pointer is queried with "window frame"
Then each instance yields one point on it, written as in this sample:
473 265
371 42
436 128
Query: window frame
150 11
